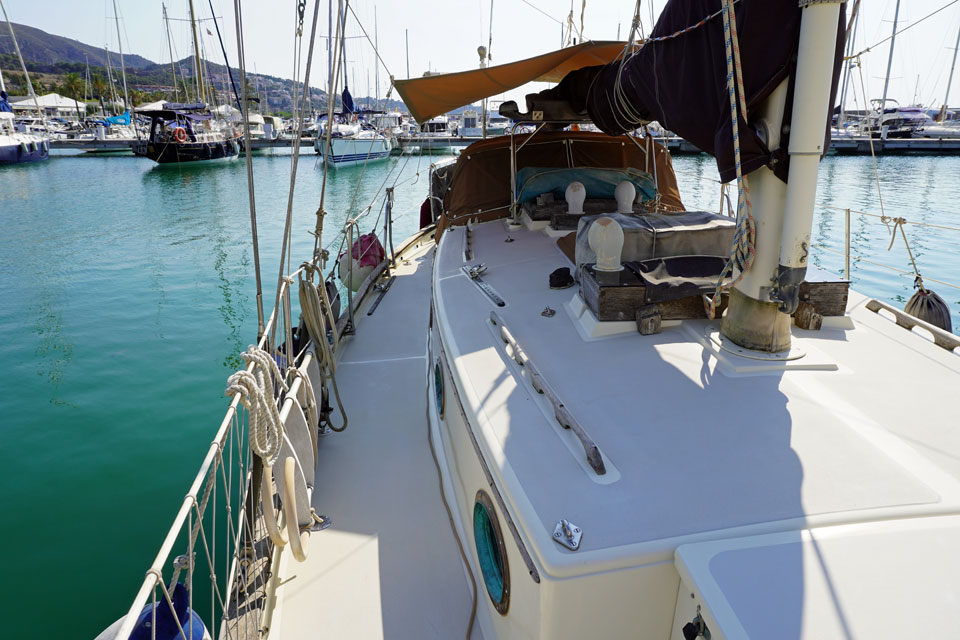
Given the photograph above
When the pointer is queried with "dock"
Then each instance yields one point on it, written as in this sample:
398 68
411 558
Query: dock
120 145
895 146
676 145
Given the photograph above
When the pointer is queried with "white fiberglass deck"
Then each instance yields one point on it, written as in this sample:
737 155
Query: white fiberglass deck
388 567
691 449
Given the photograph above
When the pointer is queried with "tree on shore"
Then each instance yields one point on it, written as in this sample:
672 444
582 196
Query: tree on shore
99 85
73 87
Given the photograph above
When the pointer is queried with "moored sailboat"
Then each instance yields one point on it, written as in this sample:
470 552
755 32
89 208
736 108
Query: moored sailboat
579 410
189 132
17 147
352 141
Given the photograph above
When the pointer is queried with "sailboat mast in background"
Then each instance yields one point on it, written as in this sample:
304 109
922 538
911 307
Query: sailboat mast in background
23 66
173 69
198 65
893 41
946 97
123 67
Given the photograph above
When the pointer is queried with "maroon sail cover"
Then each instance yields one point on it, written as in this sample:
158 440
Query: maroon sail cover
682 82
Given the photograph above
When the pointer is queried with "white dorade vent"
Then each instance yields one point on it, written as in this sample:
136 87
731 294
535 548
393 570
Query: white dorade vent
575 195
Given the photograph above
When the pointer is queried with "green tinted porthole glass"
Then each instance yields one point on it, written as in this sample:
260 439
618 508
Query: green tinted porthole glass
438 386
491 552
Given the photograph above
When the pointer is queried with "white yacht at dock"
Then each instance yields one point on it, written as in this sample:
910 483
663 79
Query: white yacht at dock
352 142
568 407
435 134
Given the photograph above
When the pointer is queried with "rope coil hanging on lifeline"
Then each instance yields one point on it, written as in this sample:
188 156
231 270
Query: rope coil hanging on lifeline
743 251
255 389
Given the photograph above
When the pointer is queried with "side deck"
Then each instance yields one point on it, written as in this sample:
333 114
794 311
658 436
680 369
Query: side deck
389 566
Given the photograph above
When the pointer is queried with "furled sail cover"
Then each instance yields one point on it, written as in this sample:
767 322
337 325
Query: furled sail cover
433 95
681 82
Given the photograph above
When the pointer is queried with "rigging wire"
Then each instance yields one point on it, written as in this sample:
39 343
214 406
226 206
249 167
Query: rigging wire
288 224
379 57
536 8
331 92
896 33
245 108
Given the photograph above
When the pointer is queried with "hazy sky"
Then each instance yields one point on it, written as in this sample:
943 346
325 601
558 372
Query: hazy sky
444 35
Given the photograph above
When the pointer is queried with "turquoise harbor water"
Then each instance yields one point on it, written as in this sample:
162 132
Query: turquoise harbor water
127 293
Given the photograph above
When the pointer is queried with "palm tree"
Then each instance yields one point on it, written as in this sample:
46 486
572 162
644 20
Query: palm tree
99 85
72 87
137 96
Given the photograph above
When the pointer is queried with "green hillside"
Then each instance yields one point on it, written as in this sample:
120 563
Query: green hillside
57 64
46 48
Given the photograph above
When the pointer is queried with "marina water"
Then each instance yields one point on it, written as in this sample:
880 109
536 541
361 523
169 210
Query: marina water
128 292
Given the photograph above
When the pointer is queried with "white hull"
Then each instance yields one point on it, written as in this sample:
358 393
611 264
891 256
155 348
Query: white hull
348 152
939 131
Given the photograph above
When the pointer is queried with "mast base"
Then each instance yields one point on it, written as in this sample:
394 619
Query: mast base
755 325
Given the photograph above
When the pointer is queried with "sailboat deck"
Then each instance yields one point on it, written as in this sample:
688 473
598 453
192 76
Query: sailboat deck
686 454
388 567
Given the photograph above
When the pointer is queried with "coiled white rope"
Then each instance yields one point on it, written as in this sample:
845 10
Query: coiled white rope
255 389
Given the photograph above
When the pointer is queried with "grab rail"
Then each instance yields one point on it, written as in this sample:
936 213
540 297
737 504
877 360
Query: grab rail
940 337
560 411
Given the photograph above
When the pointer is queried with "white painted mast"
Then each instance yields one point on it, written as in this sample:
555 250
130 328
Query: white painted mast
198 65
893 41
848 64
946 97
113 88
3 87
173 69
329 50
123 67
343 51
485 58
86 77
23 66
758 313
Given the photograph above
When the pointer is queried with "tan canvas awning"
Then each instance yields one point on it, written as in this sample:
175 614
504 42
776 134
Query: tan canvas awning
433 95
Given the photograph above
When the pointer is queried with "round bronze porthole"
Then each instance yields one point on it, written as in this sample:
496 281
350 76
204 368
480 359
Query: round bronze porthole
491 552
438 386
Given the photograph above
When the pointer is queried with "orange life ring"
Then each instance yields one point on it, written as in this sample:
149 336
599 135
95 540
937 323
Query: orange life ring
180 134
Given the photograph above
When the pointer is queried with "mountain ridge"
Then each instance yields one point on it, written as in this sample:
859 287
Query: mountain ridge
41 47
46 53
